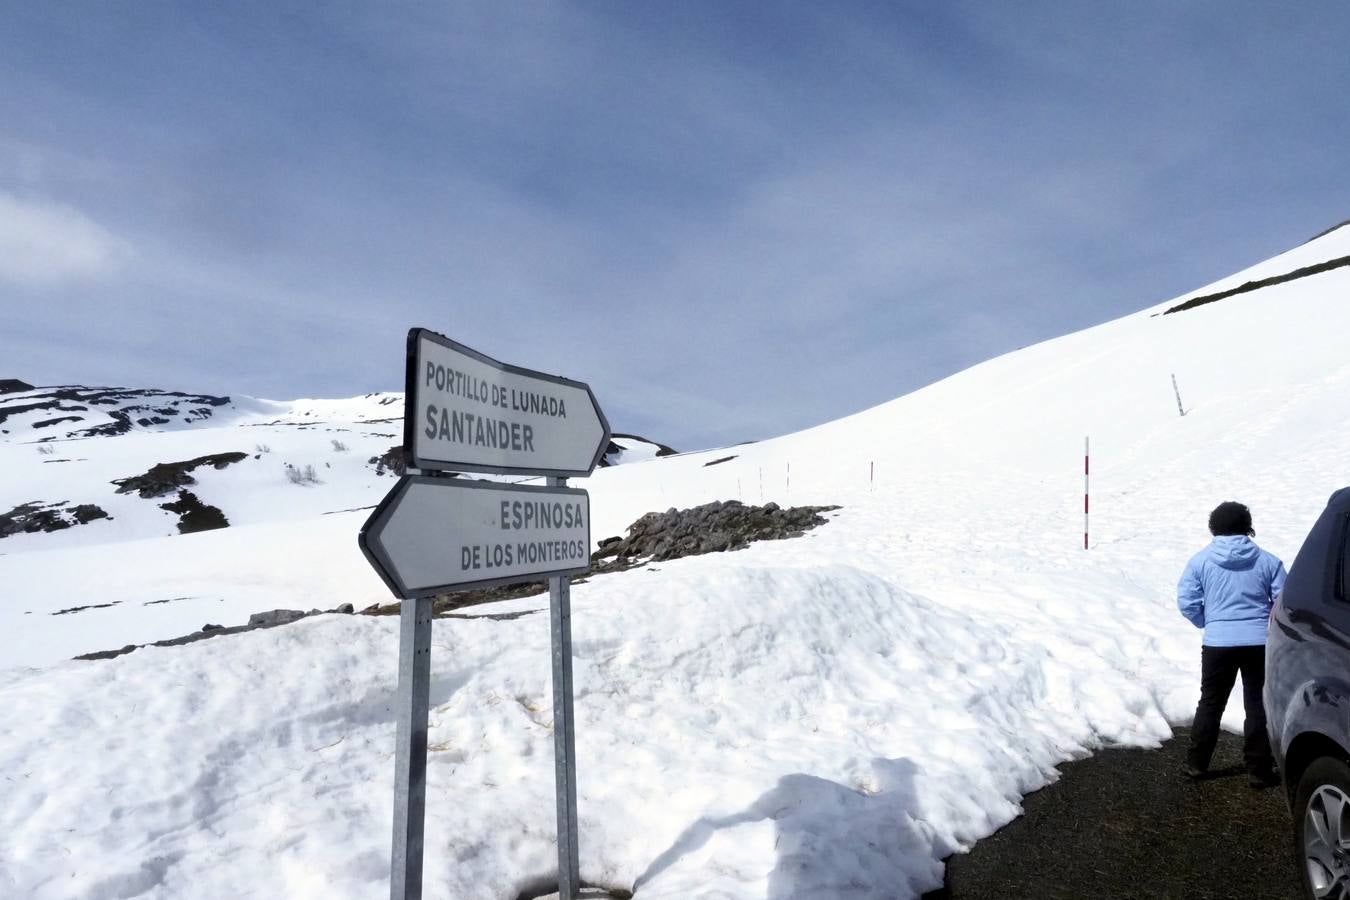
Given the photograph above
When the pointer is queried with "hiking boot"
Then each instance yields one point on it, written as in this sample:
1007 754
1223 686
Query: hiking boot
1192 771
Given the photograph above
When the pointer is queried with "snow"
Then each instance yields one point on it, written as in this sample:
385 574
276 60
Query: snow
825 716
1333 245
336 438
632 449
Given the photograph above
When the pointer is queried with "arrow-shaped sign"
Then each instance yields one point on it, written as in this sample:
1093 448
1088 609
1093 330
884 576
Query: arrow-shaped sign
433 534
467 412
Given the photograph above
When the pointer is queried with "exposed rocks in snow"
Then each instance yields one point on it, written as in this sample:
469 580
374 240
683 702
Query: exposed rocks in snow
393 461
165 600
710 528
1249 286
34 517
661 449
194 515
286 616
164 478
718 462
7 412
275 617
47 423
269 619
446 603
632 445
106 411
75 609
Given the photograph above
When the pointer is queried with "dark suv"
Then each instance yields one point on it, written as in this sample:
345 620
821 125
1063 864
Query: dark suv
1307 699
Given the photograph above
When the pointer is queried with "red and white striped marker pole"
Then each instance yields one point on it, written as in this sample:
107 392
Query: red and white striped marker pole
1085 493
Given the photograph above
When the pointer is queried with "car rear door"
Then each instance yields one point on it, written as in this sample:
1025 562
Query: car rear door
1308 657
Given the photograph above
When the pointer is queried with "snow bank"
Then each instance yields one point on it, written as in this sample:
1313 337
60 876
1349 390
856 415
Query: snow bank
824 716
746 727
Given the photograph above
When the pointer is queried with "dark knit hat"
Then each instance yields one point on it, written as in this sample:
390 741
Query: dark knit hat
1231 517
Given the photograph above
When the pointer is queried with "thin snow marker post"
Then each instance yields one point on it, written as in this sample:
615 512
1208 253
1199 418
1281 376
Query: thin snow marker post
1085 493
564 730
871 475
788 483
410 751
1176 390
761 484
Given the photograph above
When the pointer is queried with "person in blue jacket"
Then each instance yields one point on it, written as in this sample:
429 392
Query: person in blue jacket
1228 589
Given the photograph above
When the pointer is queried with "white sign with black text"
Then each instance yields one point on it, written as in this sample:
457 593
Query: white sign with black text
467 412
434 534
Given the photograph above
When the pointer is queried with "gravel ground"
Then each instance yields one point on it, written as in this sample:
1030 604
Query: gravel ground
1126 824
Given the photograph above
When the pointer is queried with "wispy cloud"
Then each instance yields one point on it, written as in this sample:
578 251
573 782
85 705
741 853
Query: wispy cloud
734 220
45 244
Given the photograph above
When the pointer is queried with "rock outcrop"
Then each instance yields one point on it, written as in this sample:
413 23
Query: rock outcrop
615 451
34 517
194 515
165 478
103 411
710 528
270 619
393 461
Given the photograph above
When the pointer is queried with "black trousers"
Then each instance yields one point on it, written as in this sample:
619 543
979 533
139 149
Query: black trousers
1219 667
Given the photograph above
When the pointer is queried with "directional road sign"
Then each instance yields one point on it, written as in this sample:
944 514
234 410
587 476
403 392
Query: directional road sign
468 413
434 534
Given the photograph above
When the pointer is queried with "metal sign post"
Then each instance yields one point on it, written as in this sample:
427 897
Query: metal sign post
564 731
433 533
410 754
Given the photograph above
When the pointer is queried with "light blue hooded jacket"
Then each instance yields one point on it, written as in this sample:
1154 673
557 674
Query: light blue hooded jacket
1228 588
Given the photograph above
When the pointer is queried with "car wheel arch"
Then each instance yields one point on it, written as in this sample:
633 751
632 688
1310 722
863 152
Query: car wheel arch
1303 751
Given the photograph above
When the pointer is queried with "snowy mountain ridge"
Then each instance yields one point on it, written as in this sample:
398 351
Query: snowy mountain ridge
75 446
824 716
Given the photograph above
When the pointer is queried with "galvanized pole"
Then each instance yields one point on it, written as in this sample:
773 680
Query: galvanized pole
1176 390
410 753
564 732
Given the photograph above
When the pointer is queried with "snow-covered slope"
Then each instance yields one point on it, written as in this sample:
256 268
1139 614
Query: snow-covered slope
72 445
115 434
627 448
819 717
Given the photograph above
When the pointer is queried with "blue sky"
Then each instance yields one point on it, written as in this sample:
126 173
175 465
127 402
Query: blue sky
733 220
